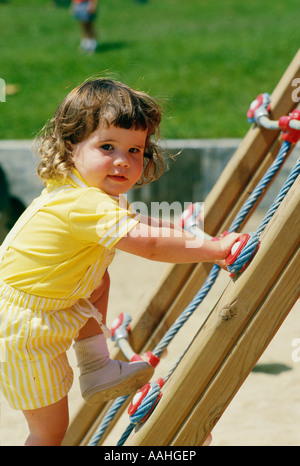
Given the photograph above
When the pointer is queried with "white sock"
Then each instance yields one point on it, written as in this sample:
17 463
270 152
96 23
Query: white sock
84 43
91 353
92 44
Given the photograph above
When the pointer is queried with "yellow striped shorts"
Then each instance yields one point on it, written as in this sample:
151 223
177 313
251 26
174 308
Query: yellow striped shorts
35 334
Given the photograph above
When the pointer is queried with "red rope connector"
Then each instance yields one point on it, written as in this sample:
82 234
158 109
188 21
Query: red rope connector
290 134
148 357
260 106
186 214
120 324
236 249
141 395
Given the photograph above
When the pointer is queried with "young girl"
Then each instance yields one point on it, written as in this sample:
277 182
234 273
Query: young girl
54 282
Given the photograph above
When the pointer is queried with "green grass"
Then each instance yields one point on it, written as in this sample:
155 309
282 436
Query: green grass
207 60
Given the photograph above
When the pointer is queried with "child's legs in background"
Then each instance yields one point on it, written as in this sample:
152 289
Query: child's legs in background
89 41
88 29
87 24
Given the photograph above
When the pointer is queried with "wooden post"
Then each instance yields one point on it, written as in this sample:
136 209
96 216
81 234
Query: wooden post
219 356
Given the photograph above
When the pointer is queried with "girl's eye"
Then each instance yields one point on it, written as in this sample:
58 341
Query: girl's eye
107 147
134 150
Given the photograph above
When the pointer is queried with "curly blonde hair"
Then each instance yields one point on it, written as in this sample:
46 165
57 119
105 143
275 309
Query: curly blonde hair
98 101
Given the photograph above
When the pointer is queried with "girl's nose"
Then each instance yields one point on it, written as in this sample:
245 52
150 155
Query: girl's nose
121 160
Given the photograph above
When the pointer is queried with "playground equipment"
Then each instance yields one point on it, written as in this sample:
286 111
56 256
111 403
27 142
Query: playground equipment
235 333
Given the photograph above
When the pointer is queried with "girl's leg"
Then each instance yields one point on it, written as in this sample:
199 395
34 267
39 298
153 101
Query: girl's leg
47 426
101 378
99 299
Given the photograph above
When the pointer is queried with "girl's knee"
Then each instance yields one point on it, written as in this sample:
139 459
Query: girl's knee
105 280
102 289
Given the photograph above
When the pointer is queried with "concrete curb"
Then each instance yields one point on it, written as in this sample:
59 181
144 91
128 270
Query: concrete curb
190 179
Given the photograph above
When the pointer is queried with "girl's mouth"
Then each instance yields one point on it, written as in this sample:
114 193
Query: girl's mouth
118 178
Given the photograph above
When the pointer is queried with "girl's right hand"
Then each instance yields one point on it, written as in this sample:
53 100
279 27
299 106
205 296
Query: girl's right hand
226 244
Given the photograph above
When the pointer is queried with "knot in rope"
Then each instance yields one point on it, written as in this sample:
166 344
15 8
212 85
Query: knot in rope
239 260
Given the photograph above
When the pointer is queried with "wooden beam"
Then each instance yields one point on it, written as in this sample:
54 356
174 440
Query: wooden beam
237 366
226 323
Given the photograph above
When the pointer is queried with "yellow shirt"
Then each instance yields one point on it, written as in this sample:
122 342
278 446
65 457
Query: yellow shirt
65 247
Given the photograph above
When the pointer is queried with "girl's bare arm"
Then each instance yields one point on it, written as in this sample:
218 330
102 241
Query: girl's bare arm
169 244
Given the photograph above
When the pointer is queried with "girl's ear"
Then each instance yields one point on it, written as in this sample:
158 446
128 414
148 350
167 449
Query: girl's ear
69 146
69 151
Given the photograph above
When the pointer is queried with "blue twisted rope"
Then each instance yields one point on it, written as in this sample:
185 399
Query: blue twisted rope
246 254
279 198
249 249
143 409
261 186
173 330
107 419
126 434
196 301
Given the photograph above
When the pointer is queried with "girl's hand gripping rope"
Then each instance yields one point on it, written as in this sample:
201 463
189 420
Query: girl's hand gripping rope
242 252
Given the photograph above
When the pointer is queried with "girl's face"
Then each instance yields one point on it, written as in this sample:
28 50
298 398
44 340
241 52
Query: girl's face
111 158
